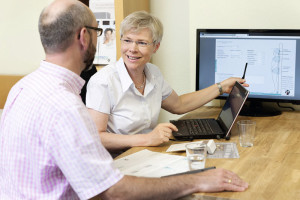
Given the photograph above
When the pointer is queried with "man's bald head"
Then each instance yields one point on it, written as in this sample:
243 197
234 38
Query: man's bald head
60 21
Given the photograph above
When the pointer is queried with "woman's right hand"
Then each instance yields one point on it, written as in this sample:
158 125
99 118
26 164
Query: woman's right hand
160 134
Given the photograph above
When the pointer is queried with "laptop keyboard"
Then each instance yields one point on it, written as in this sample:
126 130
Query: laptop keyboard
199 126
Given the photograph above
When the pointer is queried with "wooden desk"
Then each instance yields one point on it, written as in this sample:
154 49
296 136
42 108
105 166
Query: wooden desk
271 166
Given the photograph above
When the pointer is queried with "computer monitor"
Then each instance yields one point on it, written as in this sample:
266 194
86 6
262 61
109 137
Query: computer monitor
273 70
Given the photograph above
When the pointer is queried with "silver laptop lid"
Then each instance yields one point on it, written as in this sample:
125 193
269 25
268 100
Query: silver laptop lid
232 107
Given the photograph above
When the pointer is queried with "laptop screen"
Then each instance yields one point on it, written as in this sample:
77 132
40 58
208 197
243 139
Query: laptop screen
232 106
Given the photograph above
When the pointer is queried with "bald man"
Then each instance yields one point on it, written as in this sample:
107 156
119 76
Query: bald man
49 145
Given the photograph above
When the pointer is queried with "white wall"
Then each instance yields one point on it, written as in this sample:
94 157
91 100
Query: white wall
173 55
177 55
20 47
21 50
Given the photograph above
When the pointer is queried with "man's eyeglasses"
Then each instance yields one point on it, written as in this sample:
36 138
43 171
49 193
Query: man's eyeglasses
99 30
138 43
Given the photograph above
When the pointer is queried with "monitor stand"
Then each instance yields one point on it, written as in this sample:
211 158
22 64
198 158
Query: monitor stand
256 109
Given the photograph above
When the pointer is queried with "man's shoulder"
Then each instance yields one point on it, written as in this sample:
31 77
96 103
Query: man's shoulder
49 89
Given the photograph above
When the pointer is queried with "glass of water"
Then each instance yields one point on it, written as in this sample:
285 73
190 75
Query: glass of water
196 155
246 132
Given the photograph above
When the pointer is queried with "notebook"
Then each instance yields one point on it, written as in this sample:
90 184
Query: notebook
190 129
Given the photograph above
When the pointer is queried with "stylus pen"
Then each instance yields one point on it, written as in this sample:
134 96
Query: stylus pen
192 172
245 70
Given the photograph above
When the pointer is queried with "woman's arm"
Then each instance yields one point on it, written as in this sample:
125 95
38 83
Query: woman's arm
191 101
112 141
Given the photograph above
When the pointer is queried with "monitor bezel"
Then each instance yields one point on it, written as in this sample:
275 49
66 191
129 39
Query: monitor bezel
296 32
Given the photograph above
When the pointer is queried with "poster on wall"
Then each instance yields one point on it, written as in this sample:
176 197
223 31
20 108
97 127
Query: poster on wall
104 11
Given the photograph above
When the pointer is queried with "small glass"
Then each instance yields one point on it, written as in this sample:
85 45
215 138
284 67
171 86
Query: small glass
196 155
246 132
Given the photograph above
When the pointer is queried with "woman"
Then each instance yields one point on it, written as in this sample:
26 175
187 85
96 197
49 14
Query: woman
125 98
108 33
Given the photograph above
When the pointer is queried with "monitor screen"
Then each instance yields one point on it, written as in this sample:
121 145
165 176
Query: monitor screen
272 57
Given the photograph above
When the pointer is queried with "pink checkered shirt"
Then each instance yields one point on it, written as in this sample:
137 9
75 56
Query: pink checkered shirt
49 145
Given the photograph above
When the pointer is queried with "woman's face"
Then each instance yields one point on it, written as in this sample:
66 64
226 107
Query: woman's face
108 35
136 56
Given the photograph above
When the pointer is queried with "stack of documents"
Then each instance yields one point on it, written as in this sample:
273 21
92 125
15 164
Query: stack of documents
147 163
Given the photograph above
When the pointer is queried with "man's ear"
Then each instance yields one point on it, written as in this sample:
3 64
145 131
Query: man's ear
156 47
84 38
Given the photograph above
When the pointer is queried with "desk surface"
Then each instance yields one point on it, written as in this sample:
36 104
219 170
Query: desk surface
271 166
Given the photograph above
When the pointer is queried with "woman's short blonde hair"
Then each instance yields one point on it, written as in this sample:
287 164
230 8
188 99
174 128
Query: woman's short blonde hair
139 20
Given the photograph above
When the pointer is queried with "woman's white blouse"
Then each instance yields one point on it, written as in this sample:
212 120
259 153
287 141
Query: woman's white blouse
112 91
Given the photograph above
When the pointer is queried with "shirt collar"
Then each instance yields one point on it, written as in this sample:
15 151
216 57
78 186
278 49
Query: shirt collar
74 81
150 81
126 80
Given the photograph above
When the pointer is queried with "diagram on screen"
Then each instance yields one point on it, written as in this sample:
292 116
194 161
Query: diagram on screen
271 64
276 65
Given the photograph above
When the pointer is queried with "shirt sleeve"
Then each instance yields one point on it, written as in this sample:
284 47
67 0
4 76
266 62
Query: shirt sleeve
97 96
78 152
166 90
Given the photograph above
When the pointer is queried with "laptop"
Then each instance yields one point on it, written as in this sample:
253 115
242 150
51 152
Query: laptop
190 129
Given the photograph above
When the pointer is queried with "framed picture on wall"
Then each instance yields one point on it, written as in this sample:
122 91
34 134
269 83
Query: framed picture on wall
104 11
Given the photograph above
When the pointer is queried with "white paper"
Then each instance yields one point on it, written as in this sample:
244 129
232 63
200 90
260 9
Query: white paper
179 147
146 163
225 150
